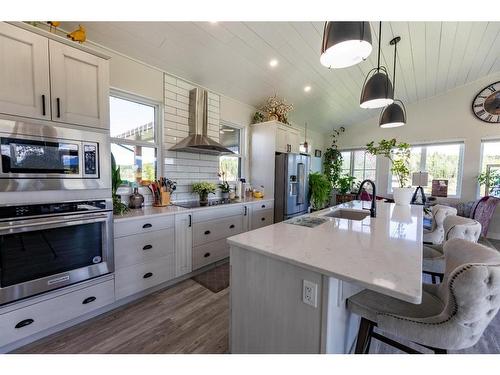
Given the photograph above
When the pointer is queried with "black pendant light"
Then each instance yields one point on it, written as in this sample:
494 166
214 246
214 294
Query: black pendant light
394 114
345 44
377 89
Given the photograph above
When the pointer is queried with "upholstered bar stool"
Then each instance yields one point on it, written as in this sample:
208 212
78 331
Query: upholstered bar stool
436 234
452 316
454 227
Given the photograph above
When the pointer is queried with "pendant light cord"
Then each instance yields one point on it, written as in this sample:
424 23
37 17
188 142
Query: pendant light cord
379 41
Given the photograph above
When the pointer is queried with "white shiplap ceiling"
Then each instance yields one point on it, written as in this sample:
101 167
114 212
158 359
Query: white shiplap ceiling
232 58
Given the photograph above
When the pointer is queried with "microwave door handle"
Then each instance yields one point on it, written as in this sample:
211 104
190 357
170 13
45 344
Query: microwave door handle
47 223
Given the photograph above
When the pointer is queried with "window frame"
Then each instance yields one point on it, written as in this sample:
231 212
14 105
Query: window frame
351 152
423 162
481 160
158 128
242 143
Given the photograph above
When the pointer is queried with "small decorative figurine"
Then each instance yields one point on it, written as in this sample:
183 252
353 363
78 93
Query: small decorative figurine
79 35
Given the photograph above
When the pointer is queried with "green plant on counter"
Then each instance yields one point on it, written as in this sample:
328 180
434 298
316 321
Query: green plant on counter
224 187
119 208
345 183
203 189
491 179
399 156
320 190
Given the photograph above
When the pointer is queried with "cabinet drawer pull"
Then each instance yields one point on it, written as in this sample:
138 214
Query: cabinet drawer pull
147 247
206 255
148 275
146 226
88 300
263 219
24 323
246 211
190 221
207 232
43 105
58 102
231 226
263 206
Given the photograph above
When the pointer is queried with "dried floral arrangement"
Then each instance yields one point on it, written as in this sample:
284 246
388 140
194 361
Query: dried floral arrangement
277 109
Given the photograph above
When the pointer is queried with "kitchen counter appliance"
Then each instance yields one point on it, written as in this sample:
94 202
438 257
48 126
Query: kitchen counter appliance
48 246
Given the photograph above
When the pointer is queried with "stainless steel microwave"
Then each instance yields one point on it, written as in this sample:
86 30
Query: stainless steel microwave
43 156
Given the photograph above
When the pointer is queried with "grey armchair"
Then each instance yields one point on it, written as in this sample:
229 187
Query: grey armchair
453 315
436 234
454 227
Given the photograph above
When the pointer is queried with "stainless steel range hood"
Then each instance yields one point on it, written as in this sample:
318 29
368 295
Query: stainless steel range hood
198 141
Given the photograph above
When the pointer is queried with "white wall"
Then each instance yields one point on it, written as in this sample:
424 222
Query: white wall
440 118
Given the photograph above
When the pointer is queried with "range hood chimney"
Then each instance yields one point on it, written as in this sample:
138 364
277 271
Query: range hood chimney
198 141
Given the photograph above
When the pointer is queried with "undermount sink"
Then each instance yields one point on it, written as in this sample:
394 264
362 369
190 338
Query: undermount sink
342 213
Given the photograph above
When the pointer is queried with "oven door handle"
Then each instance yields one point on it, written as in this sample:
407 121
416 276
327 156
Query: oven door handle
48 223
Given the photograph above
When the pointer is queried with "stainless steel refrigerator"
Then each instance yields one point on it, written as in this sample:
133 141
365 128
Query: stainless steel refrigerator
291 186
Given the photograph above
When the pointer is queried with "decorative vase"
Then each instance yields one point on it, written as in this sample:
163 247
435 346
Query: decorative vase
136 199
203 199
402 196
225 195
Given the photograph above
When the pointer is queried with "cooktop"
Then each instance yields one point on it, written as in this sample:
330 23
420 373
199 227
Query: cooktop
211 202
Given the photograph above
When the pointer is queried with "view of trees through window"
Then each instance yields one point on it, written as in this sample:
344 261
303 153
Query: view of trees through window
360 164
230 137
132 128
490 159
442 161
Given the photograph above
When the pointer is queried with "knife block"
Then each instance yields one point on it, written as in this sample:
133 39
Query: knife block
164 199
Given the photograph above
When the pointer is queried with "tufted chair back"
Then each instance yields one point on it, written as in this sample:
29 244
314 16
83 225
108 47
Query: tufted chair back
470 293
439 213
461 227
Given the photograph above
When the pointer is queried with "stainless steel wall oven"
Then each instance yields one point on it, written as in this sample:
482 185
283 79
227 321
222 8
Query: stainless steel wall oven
48 246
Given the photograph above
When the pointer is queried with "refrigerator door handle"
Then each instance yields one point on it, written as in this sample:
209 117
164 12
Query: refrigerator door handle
300 184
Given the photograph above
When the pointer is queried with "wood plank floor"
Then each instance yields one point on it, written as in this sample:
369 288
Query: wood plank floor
187 318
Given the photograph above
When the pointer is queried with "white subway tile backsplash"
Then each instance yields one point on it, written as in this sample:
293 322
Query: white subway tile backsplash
183 167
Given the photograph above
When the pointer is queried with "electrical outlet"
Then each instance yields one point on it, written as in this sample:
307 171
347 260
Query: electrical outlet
310 293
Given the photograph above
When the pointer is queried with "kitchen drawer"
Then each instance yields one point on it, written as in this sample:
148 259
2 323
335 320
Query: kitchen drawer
209 253
209 231
144 247
262 218
214 213
133 279
143 225
51 312
266 205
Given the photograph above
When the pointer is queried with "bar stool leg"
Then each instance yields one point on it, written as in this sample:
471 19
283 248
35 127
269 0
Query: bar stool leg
364 336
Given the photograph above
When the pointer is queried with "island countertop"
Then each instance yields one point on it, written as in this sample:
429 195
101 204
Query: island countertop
383 254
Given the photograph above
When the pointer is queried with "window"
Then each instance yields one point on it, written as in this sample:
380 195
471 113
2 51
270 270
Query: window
490 162
360 164
441 161
231 137
134 136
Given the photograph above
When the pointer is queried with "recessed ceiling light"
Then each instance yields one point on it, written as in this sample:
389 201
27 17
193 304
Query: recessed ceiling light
307 88
273 63
213 22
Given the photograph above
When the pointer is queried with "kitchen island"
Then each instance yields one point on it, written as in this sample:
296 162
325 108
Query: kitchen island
290 281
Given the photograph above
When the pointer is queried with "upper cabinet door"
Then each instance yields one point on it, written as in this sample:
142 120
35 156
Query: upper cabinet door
24 73
80 86
281 140
293 138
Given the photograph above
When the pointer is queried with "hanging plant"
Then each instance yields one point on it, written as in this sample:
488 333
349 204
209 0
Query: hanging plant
332 162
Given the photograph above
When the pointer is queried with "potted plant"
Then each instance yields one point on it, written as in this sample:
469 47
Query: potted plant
344 186
203 189
320 188
119 208
224 186
399 156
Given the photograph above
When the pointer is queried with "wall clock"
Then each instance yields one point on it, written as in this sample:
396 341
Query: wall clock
486 104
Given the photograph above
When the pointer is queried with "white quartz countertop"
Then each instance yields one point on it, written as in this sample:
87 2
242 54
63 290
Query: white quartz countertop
383 254
170 210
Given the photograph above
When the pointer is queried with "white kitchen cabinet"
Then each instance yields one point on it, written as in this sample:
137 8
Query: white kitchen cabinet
266 139
261 218
24 73
39 316
183 243
43 76
79 86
